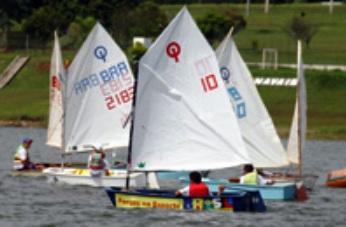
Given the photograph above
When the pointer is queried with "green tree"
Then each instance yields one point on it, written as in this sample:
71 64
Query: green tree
135 53
12 12
19 9
109 11
54 15
41 24
301 28
215 26
236 21
144 20
78 31
148 20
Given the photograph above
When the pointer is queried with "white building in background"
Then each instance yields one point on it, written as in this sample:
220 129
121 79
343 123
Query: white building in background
145 41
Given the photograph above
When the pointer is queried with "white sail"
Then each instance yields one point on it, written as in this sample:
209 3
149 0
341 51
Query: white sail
56 87
183 119
261 139
298 127
99 95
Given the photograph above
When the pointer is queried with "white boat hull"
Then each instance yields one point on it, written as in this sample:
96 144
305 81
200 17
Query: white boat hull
117 178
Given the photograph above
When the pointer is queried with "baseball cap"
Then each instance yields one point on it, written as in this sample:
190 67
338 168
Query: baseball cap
27 140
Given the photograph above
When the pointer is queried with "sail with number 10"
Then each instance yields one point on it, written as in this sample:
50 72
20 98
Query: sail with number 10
182 118
183 121
261 139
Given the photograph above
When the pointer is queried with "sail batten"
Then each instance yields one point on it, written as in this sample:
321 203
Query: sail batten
99 95
183 120
261 139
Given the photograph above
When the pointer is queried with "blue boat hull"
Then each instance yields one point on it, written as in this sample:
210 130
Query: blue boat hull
176 175
172 175
277 191
236 201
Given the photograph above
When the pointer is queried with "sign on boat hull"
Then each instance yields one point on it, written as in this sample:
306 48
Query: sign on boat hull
161 199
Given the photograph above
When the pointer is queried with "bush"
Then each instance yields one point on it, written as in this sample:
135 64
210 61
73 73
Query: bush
302 29
215 26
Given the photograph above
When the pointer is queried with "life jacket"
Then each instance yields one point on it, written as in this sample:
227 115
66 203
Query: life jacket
198 190
251 178
18 163
17 155
96 162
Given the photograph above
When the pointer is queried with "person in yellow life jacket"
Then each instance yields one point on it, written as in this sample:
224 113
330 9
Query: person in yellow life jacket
252 177
97 163
21 158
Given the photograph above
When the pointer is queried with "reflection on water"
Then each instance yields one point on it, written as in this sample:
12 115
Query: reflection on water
33 202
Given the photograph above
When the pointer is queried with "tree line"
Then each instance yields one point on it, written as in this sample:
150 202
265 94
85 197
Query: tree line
124 19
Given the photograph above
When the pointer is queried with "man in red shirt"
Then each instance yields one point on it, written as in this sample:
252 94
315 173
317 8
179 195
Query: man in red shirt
196 188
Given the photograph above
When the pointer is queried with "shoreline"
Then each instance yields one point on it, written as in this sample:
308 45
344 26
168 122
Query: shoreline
22 123
283 132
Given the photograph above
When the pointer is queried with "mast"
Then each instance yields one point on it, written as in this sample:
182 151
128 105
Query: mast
228 36
299 140
63 91
57 73
129 153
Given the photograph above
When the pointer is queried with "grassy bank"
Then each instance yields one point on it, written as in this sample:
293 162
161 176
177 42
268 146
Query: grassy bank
26 97
326 105
267 30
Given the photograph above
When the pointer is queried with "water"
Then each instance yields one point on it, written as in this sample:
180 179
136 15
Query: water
33 202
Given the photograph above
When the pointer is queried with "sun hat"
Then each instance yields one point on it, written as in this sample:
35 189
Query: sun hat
27 140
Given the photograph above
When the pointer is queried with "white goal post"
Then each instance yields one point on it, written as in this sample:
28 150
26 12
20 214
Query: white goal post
270 58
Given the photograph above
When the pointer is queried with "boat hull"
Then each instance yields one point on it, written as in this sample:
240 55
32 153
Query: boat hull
308 180
38 172
27 173
117 178
337 178
277 191
234 202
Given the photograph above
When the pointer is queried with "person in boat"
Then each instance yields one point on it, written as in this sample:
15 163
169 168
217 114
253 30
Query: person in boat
196 188
22 158
251 176
97 163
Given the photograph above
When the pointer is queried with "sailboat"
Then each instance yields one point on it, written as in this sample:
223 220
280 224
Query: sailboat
183 121
57 78
97 104
56 111
296 141
336 178
258 131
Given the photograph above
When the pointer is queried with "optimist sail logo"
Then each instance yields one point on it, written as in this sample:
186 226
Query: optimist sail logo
173 50
100 52
225 74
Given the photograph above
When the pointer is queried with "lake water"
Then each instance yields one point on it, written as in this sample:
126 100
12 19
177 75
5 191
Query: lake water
34 202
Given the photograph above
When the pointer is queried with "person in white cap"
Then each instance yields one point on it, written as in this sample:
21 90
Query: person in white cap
97 162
